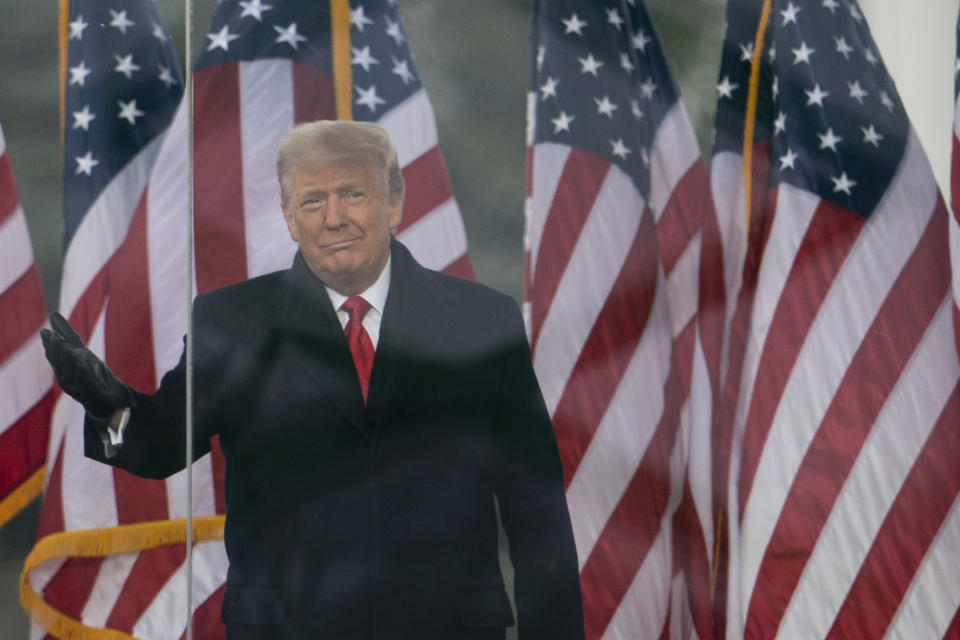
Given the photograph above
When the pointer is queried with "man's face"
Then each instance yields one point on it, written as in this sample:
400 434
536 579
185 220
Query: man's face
342 218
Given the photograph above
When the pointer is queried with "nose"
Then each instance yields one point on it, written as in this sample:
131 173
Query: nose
336 214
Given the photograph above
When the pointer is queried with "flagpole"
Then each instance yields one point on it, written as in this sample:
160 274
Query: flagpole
188 97
340 52
749 125
751 114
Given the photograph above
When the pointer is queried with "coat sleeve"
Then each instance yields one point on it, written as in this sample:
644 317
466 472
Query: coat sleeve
154 441
533 506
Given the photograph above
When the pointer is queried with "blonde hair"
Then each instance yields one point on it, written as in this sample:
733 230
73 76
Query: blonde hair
326 142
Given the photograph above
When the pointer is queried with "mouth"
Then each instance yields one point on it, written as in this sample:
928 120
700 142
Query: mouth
340 244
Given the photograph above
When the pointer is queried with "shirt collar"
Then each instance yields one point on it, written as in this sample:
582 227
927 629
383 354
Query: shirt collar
375 294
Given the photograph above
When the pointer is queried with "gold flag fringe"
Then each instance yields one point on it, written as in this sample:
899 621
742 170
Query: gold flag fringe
97 543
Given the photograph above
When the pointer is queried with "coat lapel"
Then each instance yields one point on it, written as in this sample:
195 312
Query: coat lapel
308 323
410 333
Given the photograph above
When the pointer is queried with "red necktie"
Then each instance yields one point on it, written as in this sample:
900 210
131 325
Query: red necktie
361 348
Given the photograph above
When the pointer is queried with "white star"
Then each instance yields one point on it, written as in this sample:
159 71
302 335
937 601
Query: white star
359 19
619 149
85 163
956 65
829 140
772 53
129 111
843 183
831 4
776 87
541 56
886 101
614 18
574 25
79 73
221 39
790 14
562 122
394 31
856 91
125 65
816 96
77 27
780 124
626 64
787 160
726 88
166 77
802 54
871 136
605 107
254 9
645 156
159 33
549 88
290 35
855 13
402 69
363 58
872 59
369 98
589 64
647 88
746 52
843 48
120 20
81 119
641 40
636 110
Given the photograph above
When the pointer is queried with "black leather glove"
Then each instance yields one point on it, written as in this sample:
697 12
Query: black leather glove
80 373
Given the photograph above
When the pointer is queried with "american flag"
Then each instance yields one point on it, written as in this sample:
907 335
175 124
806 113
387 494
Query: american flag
842 507
269 66
264 67
625 305
26 381
105 555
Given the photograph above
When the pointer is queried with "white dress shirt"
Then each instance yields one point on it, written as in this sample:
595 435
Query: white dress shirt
376 297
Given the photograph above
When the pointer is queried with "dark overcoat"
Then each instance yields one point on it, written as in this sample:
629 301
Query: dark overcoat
377 521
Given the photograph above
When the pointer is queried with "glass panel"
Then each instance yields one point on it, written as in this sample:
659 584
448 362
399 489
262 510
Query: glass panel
109 253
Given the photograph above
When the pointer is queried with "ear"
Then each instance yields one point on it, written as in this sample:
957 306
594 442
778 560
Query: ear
291 226
396 214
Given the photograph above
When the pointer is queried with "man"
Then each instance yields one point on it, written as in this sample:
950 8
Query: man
371 411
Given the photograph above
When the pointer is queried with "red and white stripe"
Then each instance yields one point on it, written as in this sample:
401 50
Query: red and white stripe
842 487
627 366
25 377
955 218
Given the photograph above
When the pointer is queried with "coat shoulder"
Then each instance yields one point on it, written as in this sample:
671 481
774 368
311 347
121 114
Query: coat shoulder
258 288
428 286
469 290
238 305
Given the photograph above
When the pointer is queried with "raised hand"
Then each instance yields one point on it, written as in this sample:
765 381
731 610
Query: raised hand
80 373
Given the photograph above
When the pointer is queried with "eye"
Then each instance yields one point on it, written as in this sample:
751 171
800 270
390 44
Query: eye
310 204
355 195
